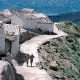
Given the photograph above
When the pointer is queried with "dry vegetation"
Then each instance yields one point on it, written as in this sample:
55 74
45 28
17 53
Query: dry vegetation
61 57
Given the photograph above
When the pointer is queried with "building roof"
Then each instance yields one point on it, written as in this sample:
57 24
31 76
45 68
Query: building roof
11 31
24 15
22 30
40 15
4 18
45 21
20 13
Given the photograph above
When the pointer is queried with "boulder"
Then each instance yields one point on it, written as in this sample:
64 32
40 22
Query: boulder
53 65
7 71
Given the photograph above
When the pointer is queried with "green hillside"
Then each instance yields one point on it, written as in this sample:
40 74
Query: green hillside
61 56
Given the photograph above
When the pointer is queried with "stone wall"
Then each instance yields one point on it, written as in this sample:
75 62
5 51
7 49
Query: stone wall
2 39
26 35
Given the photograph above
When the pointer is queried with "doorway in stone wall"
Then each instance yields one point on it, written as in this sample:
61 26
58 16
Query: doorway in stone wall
8 46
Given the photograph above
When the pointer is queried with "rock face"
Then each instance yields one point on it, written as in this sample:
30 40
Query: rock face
7 71
2 39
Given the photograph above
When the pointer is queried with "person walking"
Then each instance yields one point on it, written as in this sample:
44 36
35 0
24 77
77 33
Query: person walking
27 58
31 59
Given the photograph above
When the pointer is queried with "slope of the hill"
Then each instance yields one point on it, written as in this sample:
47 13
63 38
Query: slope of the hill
61 57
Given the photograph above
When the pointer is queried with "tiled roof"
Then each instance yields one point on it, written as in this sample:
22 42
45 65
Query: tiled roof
14 11
45 21
22 14
26 16
11 31
4 18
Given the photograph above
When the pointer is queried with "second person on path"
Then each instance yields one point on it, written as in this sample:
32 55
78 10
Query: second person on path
31 59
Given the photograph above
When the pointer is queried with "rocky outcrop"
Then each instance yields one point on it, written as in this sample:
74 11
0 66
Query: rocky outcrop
51 60
7 71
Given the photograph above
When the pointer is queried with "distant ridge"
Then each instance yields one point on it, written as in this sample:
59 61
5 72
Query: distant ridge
72 16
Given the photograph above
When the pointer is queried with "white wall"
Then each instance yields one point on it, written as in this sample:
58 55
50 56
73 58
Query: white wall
26 23
46 27
15 46
2 39
30 24
16 20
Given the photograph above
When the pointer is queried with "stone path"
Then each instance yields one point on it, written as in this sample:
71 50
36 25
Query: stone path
58 31
32 73
31 46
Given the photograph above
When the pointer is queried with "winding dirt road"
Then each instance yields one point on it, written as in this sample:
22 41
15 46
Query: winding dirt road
31 46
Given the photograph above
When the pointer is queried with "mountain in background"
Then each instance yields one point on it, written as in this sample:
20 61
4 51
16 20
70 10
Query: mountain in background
72 16
57 10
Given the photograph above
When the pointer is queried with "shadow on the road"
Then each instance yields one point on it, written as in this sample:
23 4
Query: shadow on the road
19 77
20 58
31 66
21 63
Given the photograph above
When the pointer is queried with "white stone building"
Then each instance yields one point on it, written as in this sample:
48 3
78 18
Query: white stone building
2 39
29 19
44 23
21 17
12 38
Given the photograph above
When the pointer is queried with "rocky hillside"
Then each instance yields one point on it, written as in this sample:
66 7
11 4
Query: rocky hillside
61 57
7 71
